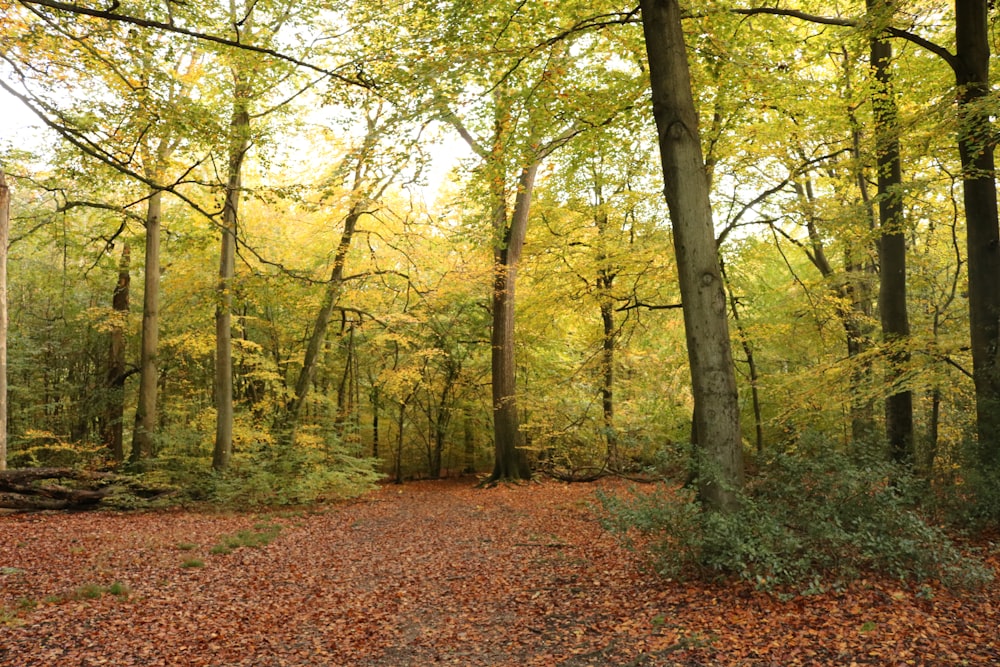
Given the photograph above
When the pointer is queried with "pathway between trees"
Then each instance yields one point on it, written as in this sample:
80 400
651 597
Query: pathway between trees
430 573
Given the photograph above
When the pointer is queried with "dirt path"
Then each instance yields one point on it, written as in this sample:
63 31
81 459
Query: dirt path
431 573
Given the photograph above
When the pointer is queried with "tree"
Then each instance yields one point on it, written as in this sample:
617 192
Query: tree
892 240
970 65
717 414
975 146
239 143
117 371
367 170
4 233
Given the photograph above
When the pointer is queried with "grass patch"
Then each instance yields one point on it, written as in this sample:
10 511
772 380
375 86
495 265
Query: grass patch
186 546
119 589
88 592
261 535
94 591
193 562
85 592
9 618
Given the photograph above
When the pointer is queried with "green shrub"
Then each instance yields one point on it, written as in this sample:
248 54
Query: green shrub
311 470
803 519
43 449
967 494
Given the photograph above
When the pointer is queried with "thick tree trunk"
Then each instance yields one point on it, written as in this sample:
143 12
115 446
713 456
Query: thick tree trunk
713 377
115 381
41 488
145 411
975 144
892 245
20 489
240 141
510 461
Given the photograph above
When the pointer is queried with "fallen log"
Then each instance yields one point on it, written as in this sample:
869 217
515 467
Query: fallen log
42 488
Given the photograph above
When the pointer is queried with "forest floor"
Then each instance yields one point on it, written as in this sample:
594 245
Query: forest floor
431 573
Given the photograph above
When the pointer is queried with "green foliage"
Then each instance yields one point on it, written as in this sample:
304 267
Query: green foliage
193 562
968 495
803 521
44 449
311 470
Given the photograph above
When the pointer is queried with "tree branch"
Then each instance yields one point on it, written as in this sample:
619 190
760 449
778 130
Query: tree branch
170 28
923 43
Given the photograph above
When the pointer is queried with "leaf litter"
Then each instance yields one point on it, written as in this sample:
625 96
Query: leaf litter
433 573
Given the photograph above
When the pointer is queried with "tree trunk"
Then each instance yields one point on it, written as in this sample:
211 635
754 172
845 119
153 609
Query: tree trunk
510 461
741 333
345 386
892 245
322 323
609 336
975 145
469 438
145 411
717 414
376 401
608 339
853 306
240 141
115 382
400 423
4 235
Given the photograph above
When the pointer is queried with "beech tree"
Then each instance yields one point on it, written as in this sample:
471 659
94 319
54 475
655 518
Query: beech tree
976 149
892 238
716 412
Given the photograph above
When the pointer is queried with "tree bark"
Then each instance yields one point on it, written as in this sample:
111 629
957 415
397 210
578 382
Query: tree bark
975 146
239 142
892 244
717 415
145 411
609 334
115 381
510 460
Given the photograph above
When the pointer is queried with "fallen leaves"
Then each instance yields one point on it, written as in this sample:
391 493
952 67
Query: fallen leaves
432 573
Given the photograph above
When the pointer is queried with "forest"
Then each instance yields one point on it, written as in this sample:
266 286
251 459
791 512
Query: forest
268 253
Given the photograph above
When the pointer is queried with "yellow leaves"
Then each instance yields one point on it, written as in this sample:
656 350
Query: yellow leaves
191 343
106 320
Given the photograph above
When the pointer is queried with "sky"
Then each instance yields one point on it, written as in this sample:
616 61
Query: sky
19 127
